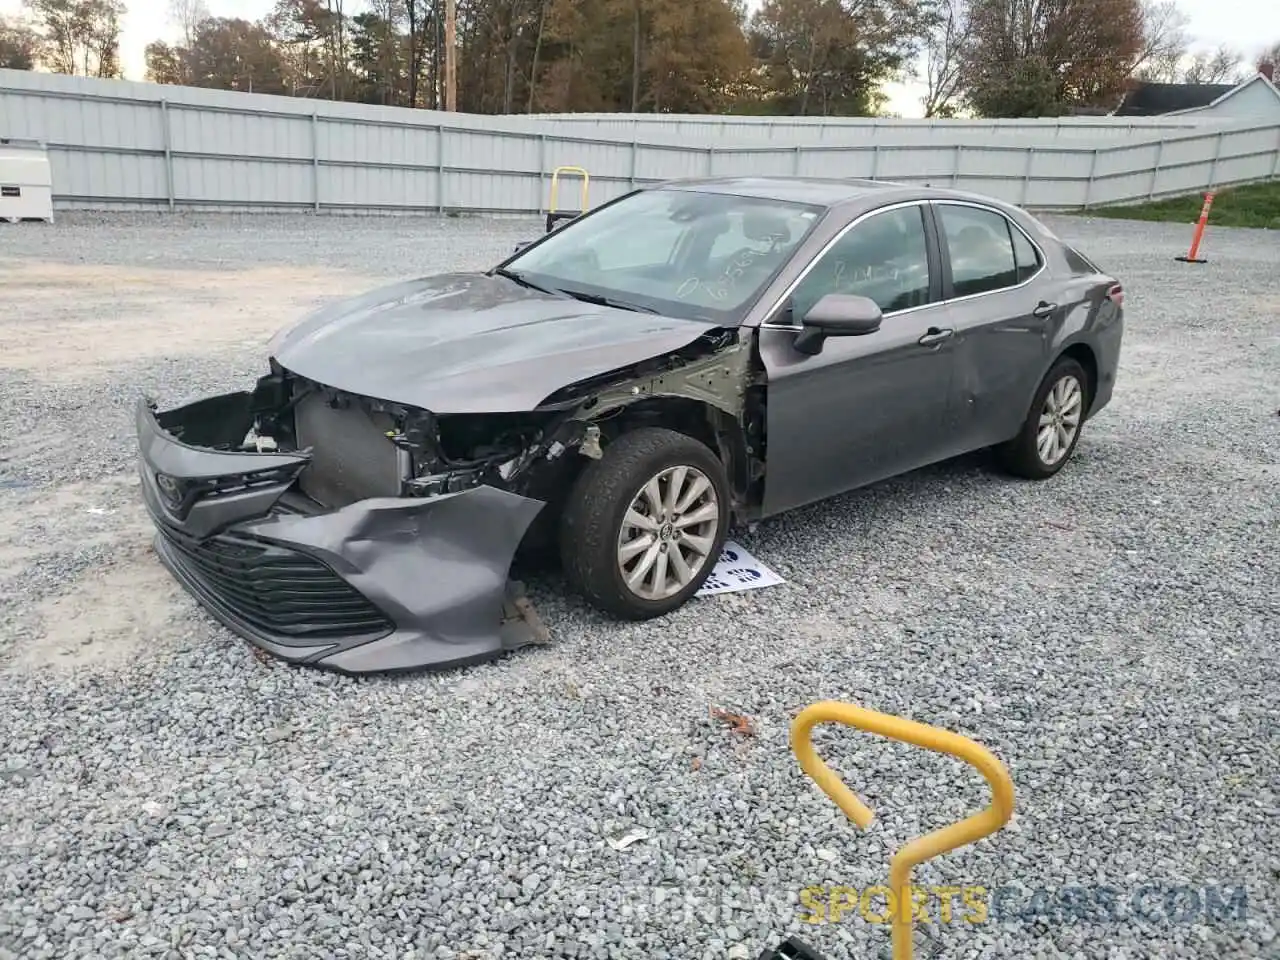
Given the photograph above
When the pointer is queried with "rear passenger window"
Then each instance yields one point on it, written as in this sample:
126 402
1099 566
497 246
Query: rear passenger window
981 249
1024 254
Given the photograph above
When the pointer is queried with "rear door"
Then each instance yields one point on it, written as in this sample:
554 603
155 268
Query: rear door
1000 302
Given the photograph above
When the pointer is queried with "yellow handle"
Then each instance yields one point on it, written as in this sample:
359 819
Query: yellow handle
555 186
922 848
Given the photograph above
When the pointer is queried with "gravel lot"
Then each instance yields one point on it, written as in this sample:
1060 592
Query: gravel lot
1112 635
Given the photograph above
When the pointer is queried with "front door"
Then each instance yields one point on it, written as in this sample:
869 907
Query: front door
867 407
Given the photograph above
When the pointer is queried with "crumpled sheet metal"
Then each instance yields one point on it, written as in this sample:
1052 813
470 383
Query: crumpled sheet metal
436 566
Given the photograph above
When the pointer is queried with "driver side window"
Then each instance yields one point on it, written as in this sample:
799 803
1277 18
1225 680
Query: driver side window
884 258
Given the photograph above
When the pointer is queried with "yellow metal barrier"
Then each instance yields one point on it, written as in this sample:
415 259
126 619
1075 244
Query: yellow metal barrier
923 848
553 210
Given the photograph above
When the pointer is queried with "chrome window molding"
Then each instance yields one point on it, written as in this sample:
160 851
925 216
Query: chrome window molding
826 247
1044 260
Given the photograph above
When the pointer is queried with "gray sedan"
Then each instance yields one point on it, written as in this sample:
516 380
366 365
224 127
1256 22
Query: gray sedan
620 391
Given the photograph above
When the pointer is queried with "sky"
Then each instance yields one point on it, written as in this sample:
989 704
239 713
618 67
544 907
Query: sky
1244 24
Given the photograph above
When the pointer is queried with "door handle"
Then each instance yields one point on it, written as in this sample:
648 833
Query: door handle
934 336
1044 309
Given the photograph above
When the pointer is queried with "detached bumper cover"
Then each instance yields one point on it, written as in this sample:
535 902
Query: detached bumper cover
384 584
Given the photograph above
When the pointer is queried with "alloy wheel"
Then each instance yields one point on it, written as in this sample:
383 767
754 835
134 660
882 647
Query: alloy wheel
1059 420
668 532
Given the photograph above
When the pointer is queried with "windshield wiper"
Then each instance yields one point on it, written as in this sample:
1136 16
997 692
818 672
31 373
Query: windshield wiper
524 281
608 301
604 301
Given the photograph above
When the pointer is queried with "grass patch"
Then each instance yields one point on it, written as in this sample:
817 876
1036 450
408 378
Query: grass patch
1252 205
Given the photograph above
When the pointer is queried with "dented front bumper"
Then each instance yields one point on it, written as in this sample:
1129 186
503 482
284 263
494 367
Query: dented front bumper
389 583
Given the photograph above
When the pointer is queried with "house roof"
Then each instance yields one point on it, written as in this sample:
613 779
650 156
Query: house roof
1154 99
1258 78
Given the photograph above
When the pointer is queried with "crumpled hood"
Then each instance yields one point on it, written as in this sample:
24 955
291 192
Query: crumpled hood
470 343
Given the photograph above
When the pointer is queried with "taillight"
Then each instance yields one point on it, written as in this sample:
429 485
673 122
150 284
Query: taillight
1116 295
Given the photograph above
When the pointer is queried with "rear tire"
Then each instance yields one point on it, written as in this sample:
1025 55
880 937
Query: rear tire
1052 428
644 525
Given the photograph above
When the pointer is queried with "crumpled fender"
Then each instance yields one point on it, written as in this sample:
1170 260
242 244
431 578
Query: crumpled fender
436 566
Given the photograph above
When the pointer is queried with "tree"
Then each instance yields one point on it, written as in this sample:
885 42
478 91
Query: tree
419 15
831 56
1164 42
311 36
1046 58
818 57
187 15
691 56
544 7
81 36
634 55
1270 55
225 54
378 63
1221 65
574 40
496 38
165 63
1025 86
20 45
1165 56
944 59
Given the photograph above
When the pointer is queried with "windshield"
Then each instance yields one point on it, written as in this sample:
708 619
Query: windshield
676 252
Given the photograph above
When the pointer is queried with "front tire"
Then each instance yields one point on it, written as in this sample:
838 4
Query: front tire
1052 429
644 525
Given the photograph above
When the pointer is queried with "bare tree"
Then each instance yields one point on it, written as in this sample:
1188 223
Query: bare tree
1217 66
537 51
944 59
1164 42
413 12
187 15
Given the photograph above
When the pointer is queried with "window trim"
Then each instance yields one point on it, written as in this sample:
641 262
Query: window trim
933 253
945 249
521 251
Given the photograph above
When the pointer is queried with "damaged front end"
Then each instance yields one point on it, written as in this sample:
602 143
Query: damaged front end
337 531
343 531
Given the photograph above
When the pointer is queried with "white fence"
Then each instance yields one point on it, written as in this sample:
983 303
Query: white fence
115 143
811 130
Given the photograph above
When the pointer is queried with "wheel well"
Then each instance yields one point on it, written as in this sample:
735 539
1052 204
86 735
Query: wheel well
719 431
714 428
1082 355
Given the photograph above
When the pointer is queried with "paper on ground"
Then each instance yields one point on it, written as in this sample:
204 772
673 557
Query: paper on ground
738 570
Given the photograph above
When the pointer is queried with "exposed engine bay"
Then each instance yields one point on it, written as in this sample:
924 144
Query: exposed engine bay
360 447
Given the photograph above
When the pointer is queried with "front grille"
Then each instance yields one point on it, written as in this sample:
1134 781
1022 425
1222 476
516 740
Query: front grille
273 589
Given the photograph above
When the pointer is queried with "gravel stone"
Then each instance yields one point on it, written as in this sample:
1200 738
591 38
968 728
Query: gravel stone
1111 634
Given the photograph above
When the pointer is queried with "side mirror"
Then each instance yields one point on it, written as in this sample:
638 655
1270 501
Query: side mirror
521 245
837 315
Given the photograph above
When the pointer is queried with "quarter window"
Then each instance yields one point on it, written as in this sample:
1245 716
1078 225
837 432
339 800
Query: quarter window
1025 253
982 256
884 258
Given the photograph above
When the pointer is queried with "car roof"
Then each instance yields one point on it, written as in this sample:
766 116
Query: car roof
824 191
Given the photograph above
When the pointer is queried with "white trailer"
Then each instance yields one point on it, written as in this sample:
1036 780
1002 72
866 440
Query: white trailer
26 181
